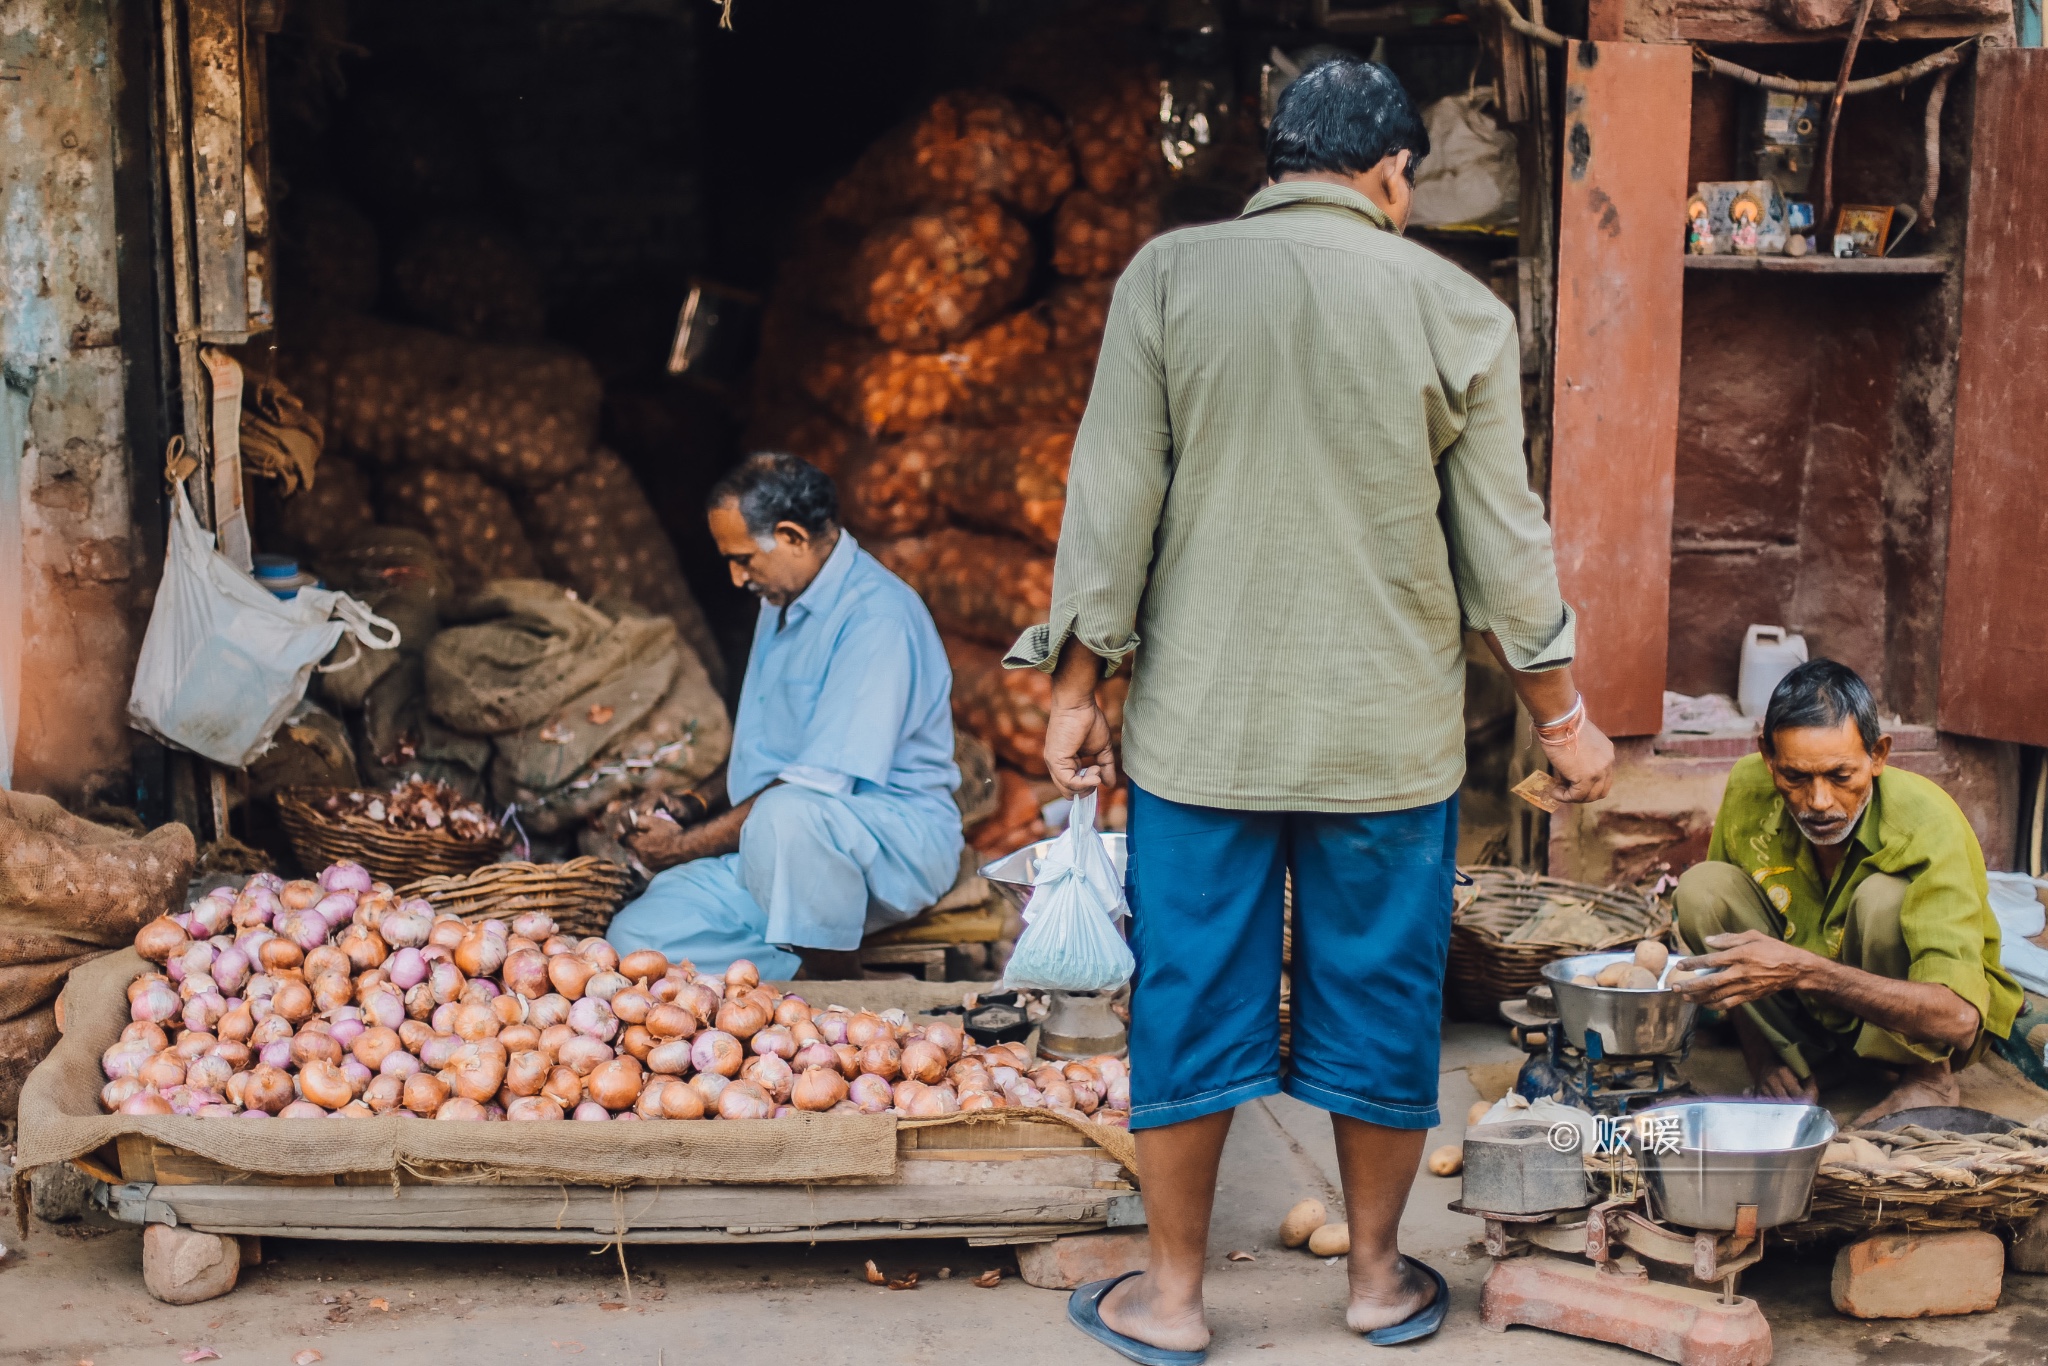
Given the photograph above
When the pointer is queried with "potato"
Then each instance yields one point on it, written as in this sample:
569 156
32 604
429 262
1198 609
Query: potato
1477 1112
1301 1221
1448 1160
1638 979
1331 1240
1585 979
1613 974
1652 954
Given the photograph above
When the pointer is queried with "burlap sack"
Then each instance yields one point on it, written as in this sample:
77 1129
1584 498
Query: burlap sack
311 749
397 737
24 1041
401 397
321 518
815 437
597 532
468 278
936 276
1078 311
395 571
1044 386
531 648
70 889
471 522
966 144
894 492
1116 133
280 440
1095 235
887 392
1010 479
986 588
61 1119
677 745
555 749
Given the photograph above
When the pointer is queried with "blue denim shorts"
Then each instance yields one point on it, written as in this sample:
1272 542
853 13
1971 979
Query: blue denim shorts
1372 927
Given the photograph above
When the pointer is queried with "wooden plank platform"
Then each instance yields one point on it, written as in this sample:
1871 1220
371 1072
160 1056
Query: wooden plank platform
1824 265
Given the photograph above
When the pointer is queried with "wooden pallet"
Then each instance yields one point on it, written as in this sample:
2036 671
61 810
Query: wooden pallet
991 1183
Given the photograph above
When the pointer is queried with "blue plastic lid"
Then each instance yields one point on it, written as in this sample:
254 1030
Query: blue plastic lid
276 567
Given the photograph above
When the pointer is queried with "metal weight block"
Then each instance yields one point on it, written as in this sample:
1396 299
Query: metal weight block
1515 1167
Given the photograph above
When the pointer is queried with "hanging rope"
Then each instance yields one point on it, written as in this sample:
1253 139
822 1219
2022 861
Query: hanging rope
1935 98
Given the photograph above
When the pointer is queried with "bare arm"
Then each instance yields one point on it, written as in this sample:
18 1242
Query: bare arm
1076 732
1586 761
675 829
1752 965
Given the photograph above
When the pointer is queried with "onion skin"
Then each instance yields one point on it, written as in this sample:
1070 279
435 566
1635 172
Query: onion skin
155 1003
117 1091
476 1072
210 1072
532 1109
979 1100
564 1087
302 1109
744 1100
643 965
517 1038
814 1055
670 1022
446 932
415 1034
146 1032
534 925
584 1055
771 1074
717 1051
871 1093
742 975
742 1019
569 974
526 1073
934 1102
882 1058
553 1037
126 1058
949 1038
310 1046
461 1108
424 1093
384 1094
294 1001
832 1024
818 1089
372 1046
791 1011
474 1022
526 972
922 1060
632 1004
400 1065
480 953
365 948
158 941
345 876
234 1053
593 1017
679 1100
549 1009
332 991
323 959
700 1000
268 1089
849 1060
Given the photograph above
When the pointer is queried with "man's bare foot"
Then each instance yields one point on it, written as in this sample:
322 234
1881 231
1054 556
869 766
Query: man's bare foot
1383 1296
1927 1083
1779 1082
1136 1310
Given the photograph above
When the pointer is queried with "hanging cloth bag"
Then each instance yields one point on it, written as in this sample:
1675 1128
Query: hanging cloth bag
224 662
1071 941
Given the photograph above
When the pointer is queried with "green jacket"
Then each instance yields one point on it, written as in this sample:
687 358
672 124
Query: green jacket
1911 830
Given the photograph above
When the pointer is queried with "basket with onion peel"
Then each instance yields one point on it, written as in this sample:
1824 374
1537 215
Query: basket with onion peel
335 997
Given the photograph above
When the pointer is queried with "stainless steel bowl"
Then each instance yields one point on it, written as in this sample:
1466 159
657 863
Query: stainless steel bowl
1015 874
1734 1152
1627 1024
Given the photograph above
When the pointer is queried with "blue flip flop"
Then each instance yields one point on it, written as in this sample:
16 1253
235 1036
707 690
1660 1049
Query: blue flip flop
1423 1321
1084 1311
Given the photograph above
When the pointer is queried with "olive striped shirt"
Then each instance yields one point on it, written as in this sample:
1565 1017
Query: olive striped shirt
1300 475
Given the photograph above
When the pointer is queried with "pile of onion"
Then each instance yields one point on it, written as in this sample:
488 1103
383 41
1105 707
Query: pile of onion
334 997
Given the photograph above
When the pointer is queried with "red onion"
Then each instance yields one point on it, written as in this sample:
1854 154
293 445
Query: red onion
336 909
461 1108
744 1100
161 939
424 1093
598 954
526 972
277 1053
345 877
145 1103
534 925
303 928
117 1091
774 1039
709 1085
446 981
671 1058
346 1030
256 906
156 1003
814 1055
583 1055
203 1012
268 1089
832 1024
551 1009
717 1051
125 1058
215 911
196 958
384 1009
529 1109
643 965
231 970
563 1087
400 1064
771 1074
435 1052
593 1017
871 1093
818 1089
590 1109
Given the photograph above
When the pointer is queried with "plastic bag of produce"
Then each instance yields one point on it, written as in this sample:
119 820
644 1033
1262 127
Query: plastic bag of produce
1070 940
223 662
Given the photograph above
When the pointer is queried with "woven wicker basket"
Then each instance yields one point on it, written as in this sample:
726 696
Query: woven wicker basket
1934 1181
581 895
1485 969
393 856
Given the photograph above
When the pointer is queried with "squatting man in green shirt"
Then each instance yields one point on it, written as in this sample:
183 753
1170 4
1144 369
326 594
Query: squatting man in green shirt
1845 907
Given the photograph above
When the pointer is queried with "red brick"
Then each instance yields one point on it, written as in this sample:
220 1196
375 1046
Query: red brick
1080 1258
1914 1276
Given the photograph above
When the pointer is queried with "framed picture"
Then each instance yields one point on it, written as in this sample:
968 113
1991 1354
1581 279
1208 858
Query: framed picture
1860 229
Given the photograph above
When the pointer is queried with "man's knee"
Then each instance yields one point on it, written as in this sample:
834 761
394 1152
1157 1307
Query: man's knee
786 813
1874 940
1715 898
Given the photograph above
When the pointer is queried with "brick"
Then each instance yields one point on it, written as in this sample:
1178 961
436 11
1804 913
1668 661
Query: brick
181 1266
2030 1247
1914 1276
1080 1258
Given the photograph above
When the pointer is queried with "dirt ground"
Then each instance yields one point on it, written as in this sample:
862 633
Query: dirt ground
74 1293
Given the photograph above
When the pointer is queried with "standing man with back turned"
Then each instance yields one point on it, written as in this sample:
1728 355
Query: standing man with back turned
1299 479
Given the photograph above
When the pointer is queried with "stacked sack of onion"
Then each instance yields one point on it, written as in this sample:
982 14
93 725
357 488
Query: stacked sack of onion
334 997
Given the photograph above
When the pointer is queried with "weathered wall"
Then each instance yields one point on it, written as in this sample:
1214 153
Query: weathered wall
61 339
1814 442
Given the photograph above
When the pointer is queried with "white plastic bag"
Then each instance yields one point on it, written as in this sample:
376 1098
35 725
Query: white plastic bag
1070 940
224 662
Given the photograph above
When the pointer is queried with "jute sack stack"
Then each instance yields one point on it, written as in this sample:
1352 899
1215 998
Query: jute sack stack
471 522
1043 386
69 891
1116 134
966 144
1096 235
1008 707
597 532
469 280
61 1119
396 571
987 588
319 518
1011 479
935 276
1078 311
894 491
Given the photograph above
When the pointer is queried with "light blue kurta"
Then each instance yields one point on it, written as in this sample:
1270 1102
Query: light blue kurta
847 705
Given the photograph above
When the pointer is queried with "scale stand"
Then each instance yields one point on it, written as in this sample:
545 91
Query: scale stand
1580 1075
1538 1280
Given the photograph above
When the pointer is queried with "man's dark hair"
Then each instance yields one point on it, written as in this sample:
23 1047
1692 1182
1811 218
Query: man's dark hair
1343 116
771 487
1817 695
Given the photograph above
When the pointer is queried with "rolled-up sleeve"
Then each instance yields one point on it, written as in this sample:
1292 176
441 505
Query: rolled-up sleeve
1501 554
1116 486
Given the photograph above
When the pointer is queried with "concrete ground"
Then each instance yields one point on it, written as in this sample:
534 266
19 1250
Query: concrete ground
73 1293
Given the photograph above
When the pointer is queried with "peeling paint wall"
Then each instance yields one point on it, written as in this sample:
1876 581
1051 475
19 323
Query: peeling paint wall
60 337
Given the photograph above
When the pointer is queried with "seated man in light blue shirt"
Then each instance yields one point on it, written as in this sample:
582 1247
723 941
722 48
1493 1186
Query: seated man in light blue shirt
840 782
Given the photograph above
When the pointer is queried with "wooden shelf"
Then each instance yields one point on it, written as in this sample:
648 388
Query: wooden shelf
1823 265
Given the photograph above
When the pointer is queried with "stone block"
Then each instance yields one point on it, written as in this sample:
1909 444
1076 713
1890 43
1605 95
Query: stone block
1080 1258
2029 1252
59 1192
181 1266
1914 1276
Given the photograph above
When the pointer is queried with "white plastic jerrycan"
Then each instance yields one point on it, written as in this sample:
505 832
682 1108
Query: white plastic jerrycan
1768 654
